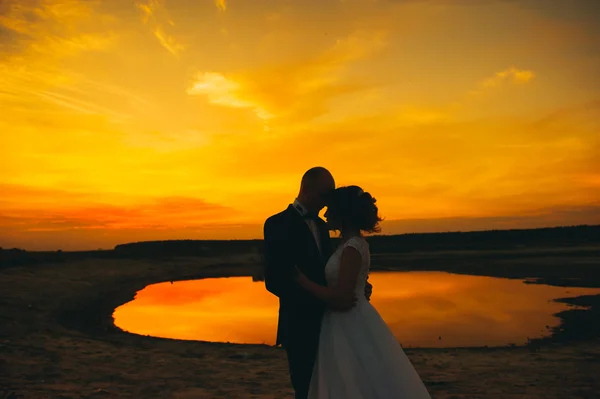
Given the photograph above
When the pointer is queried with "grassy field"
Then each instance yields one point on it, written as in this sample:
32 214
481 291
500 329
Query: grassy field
57 338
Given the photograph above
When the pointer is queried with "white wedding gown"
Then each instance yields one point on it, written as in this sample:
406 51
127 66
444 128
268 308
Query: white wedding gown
358 356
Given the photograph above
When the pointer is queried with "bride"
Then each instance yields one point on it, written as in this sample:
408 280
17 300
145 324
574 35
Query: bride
358 356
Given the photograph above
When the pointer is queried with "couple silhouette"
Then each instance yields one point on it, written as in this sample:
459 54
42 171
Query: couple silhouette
337 344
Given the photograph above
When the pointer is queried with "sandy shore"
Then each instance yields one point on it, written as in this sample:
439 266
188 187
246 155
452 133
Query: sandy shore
57 340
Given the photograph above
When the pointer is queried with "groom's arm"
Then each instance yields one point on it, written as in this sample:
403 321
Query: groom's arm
341 296
280 269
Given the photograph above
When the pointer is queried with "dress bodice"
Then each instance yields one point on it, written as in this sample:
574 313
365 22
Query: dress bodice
332 269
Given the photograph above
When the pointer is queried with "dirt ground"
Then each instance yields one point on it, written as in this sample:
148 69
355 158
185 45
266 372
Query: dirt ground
57 340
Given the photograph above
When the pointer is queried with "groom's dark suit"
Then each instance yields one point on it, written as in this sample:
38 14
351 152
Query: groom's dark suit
289 243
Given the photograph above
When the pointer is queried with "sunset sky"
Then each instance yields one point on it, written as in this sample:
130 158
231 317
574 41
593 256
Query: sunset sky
168 119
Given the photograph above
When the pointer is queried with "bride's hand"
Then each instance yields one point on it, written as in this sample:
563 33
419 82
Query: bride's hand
368 290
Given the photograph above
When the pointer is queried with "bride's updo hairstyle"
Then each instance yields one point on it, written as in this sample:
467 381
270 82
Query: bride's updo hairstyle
351 207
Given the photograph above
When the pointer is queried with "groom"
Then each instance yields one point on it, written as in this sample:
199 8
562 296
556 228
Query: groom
297 237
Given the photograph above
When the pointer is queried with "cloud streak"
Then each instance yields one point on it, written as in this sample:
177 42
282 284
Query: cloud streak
77 104
45 35
512 74
79 211
46 218
223 91
273 92
155 15
221 4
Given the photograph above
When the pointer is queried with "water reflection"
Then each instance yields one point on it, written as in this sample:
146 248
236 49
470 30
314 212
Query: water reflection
424 309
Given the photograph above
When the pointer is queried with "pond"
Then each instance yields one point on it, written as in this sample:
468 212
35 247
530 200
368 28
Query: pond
423 309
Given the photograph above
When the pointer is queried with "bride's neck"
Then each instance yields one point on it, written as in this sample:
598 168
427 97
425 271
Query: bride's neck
347 234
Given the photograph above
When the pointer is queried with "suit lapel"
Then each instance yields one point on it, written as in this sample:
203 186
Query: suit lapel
325 241
303 227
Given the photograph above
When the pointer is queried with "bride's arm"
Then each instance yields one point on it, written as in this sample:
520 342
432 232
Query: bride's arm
342 296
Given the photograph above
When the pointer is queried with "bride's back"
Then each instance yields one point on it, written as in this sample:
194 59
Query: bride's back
332 269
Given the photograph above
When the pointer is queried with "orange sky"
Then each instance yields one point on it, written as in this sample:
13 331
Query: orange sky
195 119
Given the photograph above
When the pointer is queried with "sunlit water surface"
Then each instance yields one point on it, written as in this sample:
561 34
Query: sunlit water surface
423 309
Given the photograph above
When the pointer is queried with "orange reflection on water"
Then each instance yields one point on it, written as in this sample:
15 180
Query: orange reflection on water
424 309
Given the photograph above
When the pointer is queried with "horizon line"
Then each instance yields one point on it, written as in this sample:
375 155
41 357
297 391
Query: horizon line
261 239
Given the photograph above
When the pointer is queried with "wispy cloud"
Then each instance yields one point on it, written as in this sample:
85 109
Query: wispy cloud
45 218
78 104
221 4
273 92
422 115
512 75
80 211
353 46
155 15
46 37
223 91
50 27
167 41
567 116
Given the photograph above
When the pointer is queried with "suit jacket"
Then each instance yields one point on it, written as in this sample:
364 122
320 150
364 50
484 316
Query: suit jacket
289 243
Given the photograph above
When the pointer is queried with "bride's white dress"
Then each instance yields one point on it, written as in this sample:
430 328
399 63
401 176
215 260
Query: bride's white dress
359 357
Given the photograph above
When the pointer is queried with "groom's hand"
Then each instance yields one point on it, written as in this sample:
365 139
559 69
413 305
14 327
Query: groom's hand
344 305
368 290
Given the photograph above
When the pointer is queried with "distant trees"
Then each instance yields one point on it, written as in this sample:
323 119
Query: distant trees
450 241
476 240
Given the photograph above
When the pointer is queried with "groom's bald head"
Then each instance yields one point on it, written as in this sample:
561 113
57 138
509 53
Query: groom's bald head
316 183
